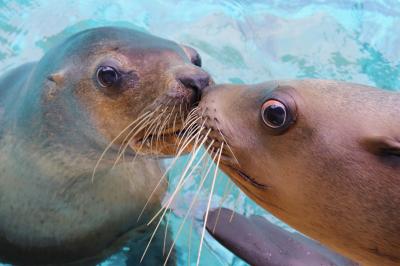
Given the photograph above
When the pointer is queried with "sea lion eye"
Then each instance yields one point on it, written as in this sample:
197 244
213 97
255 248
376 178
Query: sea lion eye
107 76
274 113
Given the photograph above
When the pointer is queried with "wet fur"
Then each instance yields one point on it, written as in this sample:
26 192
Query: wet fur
55 123
334 175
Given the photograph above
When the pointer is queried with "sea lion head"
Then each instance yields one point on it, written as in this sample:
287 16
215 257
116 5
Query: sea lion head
104 90
322 156
118 85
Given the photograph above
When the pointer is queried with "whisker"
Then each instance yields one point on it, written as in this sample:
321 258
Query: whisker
134 128
181 180
190 240
229 147
190 130
112 142
234 206
166 232
192 113
150 129
180 112
187 122
190 119
163 127
203 179
195 132
186 137
209 202
166 206
164 175
174 123
138 128
153 130
193 124
126 145
228 187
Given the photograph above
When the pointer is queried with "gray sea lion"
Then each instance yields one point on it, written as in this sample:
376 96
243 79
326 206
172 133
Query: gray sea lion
57 117
260 242
323 156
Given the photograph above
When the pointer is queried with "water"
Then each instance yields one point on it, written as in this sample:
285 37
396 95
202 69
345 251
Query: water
240 41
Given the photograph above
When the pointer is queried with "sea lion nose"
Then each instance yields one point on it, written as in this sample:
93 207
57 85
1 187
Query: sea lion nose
196 80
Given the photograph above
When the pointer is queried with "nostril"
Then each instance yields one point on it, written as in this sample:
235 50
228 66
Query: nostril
197 81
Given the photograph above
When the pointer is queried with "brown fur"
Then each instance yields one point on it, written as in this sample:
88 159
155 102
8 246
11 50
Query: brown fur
333 175
55 123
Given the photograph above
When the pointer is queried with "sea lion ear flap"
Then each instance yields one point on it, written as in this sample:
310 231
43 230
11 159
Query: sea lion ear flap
192 54
54 84
382 145
57 78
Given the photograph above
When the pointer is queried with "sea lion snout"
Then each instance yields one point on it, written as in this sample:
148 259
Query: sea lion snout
194 80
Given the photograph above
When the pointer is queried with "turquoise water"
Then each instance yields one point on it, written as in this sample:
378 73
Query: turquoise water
240 41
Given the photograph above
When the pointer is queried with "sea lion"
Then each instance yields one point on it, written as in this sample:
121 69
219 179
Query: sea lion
57 117
260 242
323 156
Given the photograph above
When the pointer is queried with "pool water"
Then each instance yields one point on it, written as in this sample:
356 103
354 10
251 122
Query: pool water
240 41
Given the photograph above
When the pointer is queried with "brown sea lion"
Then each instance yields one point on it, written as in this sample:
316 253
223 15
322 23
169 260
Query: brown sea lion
323 156
57 117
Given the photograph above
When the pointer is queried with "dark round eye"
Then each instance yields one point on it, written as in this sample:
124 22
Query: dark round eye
274 113
107 76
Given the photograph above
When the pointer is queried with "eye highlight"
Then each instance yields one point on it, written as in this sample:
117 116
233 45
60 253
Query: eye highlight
274 113
107 76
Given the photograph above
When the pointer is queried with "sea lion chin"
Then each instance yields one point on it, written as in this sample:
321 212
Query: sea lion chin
321 155
112 91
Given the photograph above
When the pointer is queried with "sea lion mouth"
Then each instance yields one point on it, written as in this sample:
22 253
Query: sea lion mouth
229 161
247 178
164 143
161 135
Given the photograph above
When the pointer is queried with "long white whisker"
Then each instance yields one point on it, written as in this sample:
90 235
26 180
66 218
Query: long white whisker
166 232
112 142
132 134
209 203
163 128
227 189
164 175
154 130
190 241
229 147
126 145
145 119
186 138
179 186
190 130
234 206
150 128
191 204
182 178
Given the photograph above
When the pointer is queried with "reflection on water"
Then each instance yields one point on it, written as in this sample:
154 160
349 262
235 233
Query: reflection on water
240 41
